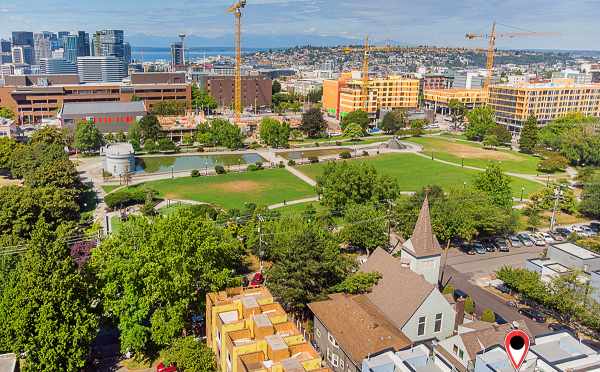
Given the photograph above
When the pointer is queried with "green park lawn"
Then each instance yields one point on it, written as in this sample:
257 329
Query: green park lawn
475 155
109 188
414 172
233 190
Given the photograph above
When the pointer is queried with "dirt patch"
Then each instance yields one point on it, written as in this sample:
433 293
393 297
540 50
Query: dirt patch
472 152
238 186
8 182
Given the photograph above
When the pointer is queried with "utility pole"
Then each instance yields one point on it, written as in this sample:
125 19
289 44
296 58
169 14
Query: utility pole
557 197
260 249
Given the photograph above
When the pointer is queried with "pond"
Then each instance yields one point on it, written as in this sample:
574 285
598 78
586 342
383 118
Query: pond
183 163
295 155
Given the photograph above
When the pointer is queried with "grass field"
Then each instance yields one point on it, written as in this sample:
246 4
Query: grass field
345 141
413 172
475 155
109 188
233 190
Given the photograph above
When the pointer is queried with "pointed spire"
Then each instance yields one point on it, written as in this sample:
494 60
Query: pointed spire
423 239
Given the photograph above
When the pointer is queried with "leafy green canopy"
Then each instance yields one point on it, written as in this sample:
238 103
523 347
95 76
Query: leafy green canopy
274 133
190 355
155 273
357 283
87 136
359 117
220 132
496 185
481 121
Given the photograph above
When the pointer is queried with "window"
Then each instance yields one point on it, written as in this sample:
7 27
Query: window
335 360
455 349
342 364
317 332
461 354
438 323
332 340
421 327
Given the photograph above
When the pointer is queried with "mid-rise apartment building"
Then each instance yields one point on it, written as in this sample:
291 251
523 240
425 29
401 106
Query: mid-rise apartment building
256 90
514 103
345 95
439 99
34 98
249 332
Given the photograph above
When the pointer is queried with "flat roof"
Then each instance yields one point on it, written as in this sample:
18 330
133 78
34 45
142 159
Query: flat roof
560 348
84 108
576 251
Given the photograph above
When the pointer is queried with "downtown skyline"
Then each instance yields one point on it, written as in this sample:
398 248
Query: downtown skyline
283 23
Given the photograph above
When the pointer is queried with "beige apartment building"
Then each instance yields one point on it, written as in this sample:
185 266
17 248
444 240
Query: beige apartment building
439 99
514 103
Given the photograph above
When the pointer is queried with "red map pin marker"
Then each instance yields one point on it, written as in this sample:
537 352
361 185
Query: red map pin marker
516 344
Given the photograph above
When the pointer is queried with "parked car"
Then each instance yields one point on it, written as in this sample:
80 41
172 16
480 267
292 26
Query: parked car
557 327
162 368
538 240
547 237
499 319
501 244
479 248
533 314
595 226
525 240
587 231
564 231
489 246
460 294
556 236
471 252
257 279
515 242
503 288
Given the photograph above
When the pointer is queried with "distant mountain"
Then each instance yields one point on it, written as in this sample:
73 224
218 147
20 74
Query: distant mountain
248 40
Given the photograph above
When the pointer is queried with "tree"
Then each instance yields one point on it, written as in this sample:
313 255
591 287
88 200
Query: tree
61 174
166 145
190 355
313 123
353 130
590 200
224 133
306 262
448 289
553 163
501 133
169 108
491 141
529 135
359 117
545 198
202 99
533 216
7 147
354 183
496 184
274 133
276 87
457 112
364 227
154 275
357 283
315 95
394 121
87 136
488 316
6 113
49 136
149 128
481 120
47 307
469 305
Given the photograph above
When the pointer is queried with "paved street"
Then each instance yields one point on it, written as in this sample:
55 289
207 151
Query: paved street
470 273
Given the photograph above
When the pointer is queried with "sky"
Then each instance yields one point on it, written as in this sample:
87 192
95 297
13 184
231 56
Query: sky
413 22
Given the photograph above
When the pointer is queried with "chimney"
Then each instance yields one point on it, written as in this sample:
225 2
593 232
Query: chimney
460 312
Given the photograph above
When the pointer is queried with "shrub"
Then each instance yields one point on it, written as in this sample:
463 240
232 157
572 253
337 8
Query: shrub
469 305
200 149
195 173
338 143
166 145
553 163
106 174
365 153
449 289
345 155
313 159
291 162
220 169
259 165
125 198
151 147
281 164
488 316
254 146
317 144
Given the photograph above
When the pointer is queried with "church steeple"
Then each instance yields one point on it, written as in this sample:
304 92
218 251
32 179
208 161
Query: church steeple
423 240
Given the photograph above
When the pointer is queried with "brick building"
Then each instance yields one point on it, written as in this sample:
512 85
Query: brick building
256 90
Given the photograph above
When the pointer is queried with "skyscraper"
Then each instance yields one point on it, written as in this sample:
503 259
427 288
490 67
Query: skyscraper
20 38
177 54
83 44
127 53
23 47
61 37
71 48
5 52
42 46
109 43
51 66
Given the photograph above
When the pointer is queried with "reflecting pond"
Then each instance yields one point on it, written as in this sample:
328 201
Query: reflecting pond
156 164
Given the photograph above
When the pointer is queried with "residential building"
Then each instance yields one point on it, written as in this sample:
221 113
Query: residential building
34 98
109 117
462 349
5 51
439 99
256 90
158 78
576 76
418 358
57 66
515 103
345 95
177 54
23 54
249 332
494 359
471 80
109 43
8 128
100 69
436 82
42 46
563 352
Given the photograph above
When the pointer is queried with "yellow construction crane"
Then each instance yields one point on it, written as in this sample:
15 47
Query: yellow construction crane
491 49
365 66
236 9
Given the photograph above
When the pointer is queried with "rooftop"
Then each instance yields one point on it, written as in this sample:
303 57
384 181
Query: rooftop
576 251
118 149
423 242
560 348
8 362
103 108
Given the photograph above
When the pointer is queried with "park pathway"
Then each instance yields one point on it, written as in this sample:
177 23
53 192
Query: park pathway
294 202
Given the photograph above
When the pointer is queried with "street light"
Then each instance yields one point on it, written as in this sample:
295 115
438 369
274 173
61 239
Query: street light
465 185
172 172
522 192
